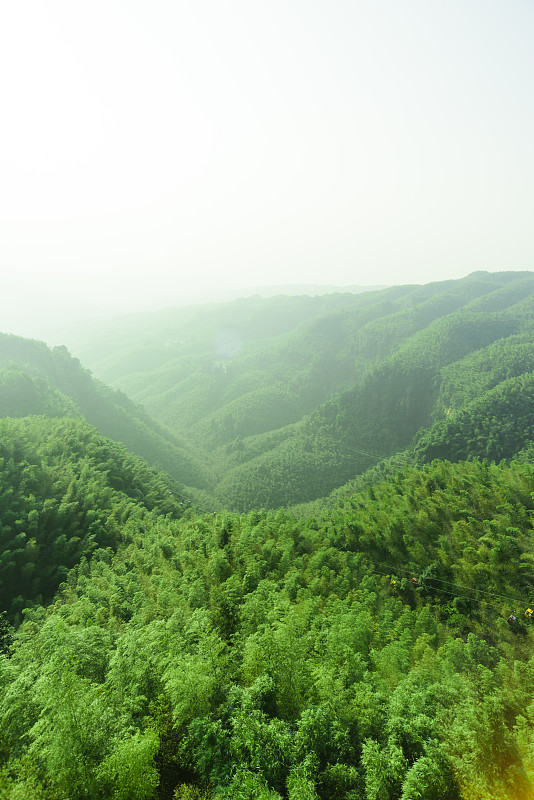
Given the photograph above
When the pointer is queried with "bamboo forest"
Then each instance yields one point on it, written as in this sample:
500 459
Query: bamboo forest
273 549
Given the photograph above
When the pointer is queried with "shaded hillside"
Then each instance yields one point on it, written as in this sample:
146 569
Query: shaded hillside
35 379
65 491
396 401
483 409
263 657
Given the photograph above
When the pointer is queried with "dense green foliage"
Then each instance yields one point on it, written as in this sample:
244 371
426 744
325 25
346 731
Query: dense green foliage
361 649
289 398
64 491
35 379
394 402
262 656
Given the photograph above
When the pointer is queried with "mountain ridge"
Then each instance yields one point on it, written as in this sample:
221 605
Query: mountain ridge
304 387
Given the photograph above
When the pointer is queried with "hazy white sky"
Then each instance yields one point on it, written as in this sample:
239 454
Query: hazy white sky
154 148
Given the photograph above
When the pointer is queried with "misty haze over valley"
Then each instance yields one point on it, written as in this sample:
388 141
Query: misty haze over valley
267 400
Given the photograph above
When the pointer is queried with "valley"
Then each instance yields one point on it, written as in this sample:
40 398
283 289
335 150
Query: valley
279 549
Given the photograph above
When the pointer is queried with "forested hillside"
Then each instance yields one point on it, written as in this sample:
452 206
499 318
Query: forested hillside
35 379
288 398
375 644
361 653
64 492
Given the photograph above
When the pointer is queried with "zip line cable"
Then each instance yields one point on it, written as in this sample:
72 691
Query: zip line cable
427 582
448 583
402 458
405 460
437 580
511 601
452 594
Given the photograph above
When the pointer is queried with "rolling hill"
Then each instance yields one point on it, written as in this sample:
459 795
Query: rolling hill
288 398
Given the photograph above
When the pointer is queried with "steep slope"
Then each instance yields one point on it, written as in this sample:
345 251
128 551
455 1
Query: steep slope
35 379
65 491
395 401
484 409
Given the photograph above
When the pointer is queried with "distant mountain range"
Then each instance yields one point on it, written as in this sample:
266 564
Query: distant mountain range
59 316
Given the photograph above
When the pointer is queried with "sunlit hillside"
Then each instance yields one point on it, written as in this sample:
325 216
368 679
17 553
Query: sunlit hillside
288 398
168 631
364 652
